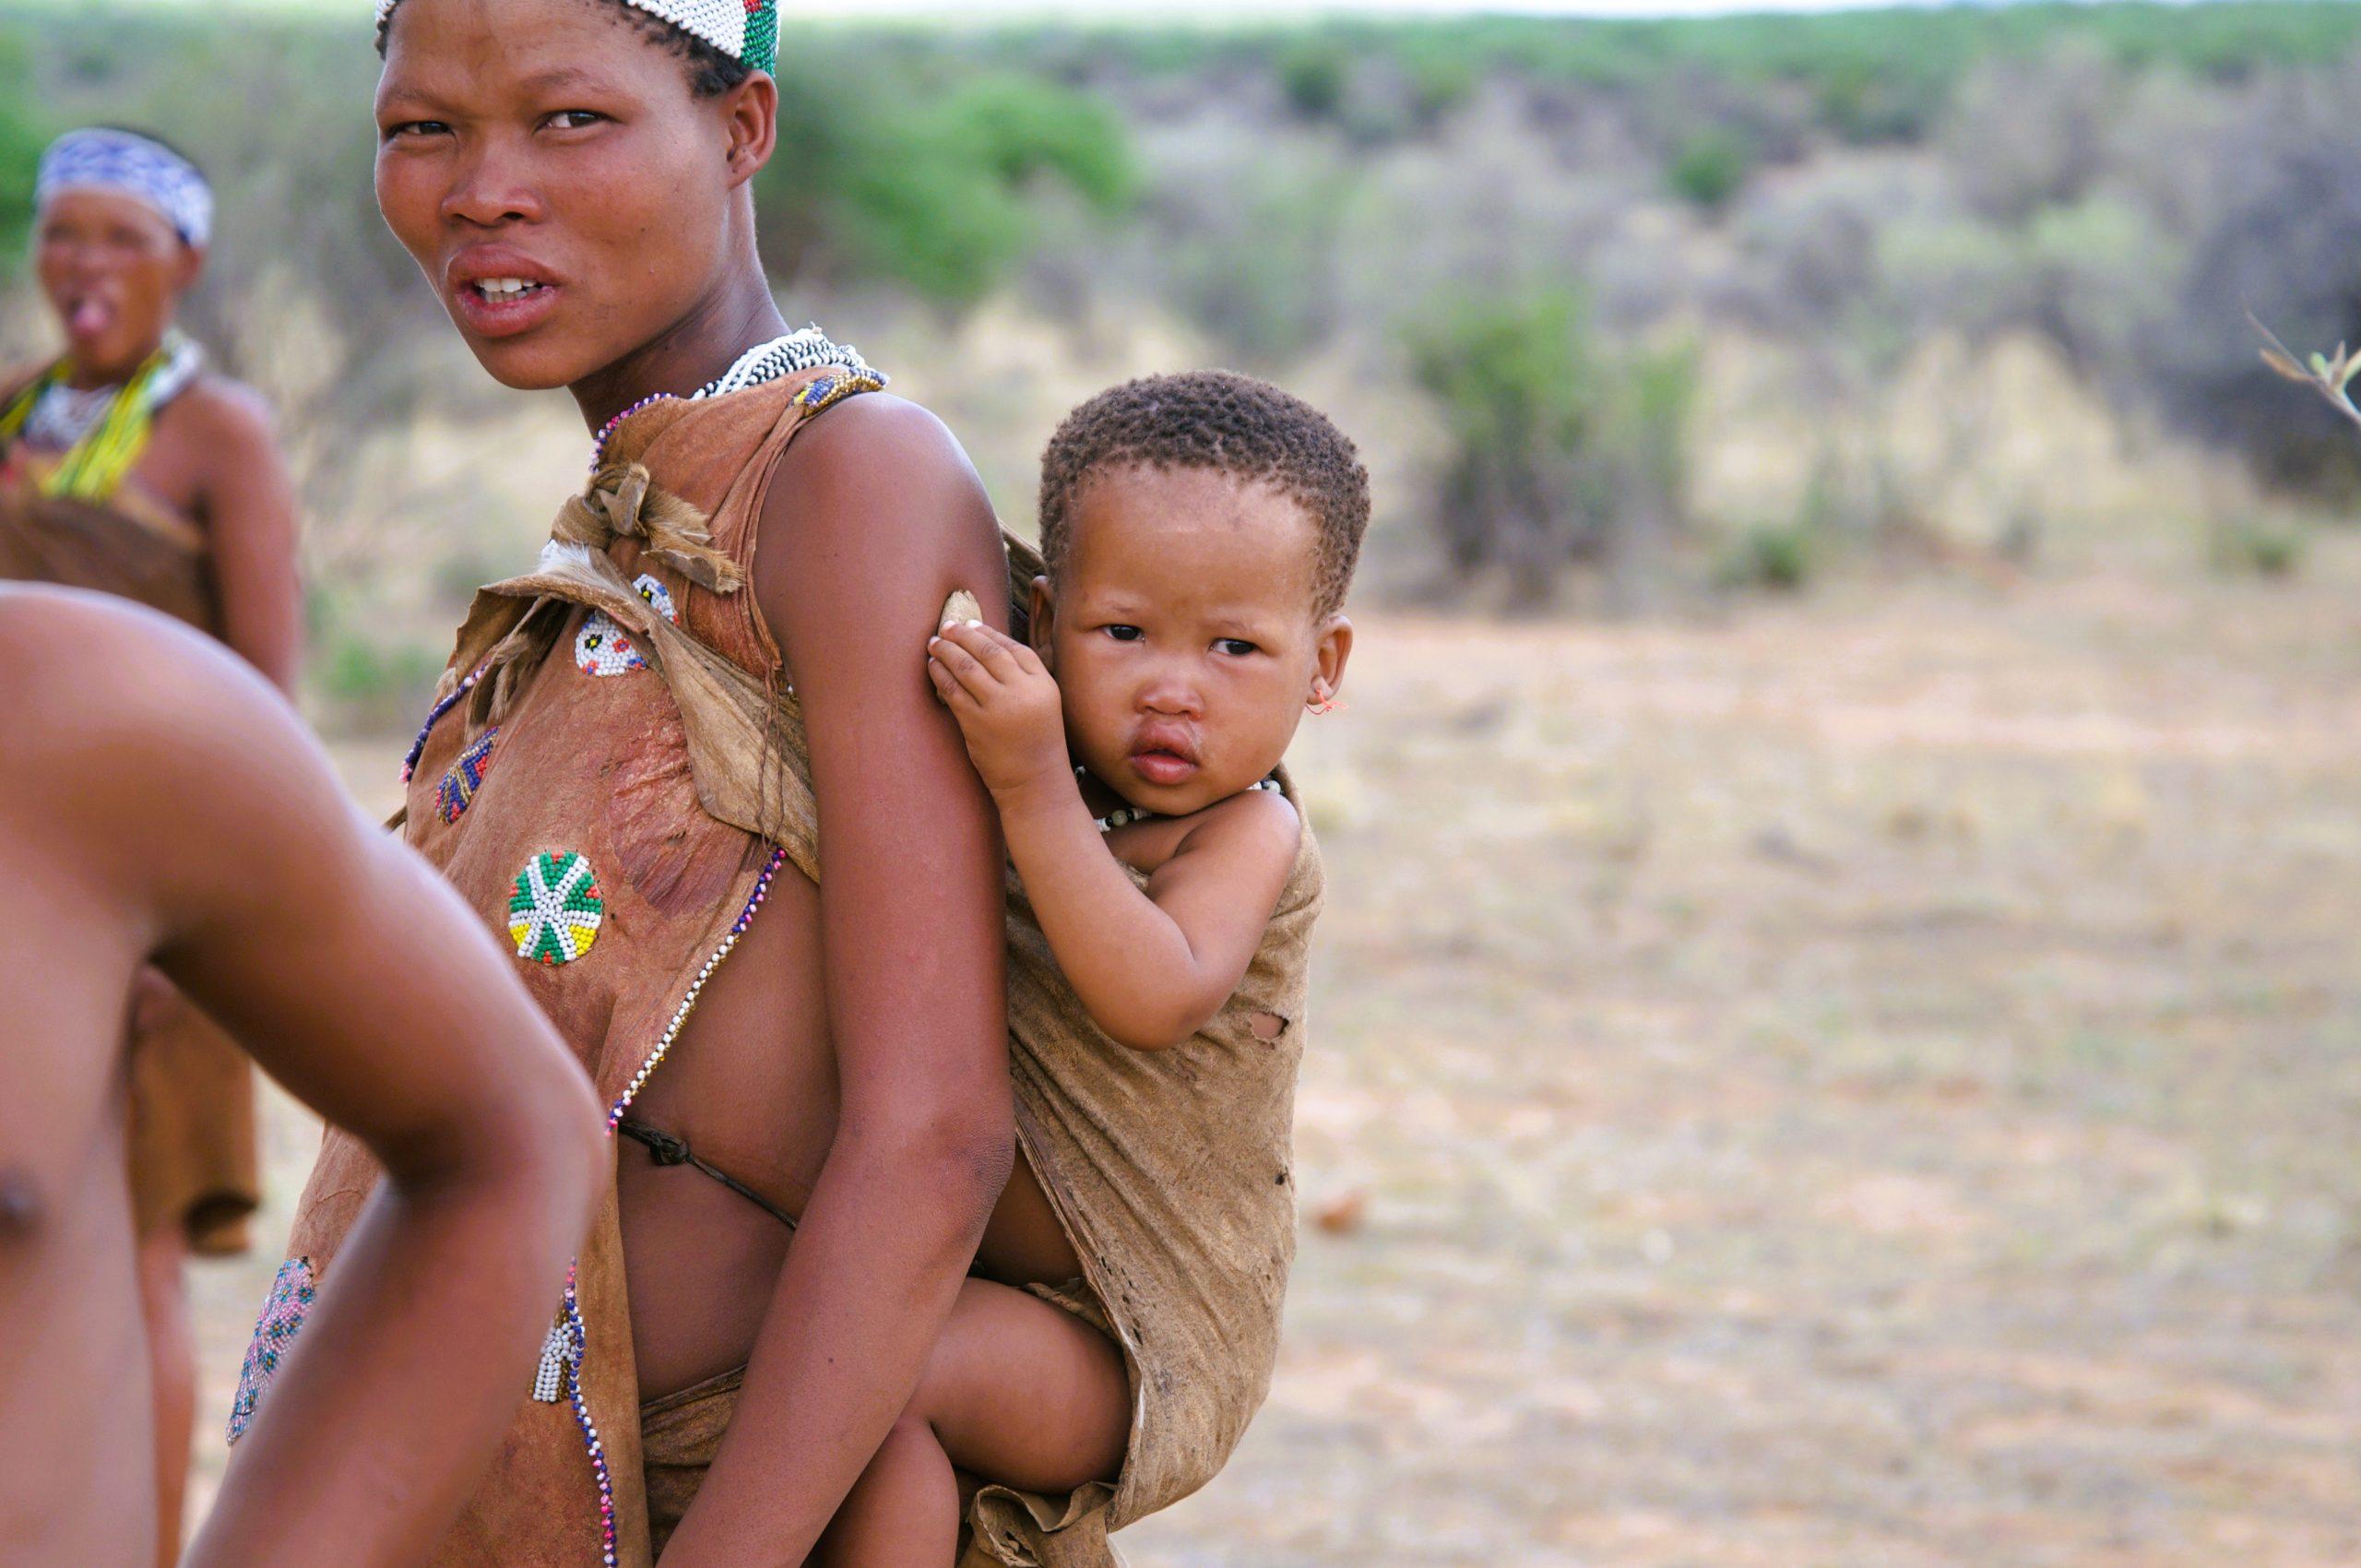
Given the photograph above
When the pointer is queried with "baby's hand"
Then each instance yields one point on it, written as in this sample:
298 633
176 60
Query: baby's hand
1006 703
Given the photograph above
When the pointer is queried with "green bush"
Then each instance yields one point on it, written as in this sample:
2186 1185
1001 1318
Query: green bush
21 140
1314 75
1777 556
932 188
2263 547
1710 166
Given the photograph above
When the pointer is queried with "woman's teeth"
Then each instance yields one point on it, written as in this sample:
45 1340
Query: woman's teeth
505 288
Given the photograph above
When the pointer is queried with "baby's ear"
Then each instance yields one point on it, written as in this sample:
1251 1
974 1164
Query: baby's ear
1042 619
1330 655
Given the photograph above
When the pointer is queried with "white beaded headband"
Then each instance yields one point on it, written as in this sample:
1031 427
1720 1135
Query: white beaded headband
746 30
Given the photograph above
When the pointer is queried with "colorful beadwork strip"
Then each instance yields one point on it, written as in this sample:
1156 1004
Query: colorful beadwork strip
283 1312
697 988
825 392
579 1340
556 912
456 790
418 748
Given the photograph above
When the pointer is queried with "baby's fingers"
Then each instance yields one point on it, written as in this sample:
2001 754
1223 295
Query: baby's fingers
954 697
966 669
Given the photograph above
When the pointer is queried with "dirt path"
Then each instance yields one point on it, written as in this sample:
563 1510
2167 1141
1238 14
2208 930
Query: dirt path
1872 1084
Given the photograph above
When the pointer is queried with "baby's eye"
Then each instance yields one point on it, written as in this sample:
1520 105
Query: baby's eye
1125 633
1236 647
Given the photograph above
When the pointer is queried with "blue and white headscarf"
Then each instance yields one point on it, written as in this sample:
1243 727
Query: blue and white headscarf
129 164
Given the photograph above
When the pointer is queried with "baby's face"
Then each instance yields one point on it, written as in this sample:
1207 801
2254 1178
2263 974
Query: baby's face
1182 633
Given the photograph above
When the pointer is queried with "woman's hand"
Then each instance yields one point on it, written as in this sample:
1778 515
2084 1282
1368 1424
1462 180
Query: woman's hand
1007 706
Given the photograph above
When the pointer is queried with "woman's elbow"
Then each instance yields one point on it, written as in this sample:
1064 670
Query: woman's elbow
963 1149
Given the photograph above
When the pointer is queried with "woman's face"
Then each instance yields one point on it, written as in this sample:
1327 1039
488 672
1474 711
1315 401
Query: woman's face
554 176
114 269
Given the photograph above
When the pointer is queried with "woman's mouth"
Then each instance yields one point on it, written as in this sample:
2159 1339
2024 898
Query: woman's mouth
88 318
503 307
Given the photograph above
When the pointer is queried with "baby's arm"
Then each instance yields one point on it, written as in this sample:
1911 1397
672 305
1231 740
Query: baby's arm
1152 968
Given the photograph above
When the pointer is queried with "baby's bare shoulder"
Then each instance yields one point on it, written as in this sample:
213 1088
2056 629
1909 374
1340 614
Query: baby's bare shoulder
1258 829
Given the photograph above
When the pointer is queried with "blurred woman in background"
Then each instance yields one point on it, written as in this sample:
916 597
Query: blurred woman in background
127 467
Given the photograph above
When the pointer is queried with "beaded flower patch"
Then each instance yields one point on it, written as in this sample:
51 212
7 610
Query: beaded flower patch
283 1312
657 594
557 909
603 647
456 792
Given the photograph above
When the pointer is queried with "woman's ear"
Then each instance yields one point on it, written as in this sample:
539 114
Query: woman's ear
751 115
190 267
1042 621
1334 651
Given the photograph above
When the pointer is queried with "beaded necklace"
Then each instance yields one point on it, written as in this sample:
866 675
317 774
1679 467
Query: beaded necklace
101 431
808 349
1123 817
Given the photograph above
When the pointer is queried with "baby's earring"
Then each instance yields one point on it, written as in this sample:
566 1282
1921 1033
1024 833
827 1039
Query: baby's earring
1321 702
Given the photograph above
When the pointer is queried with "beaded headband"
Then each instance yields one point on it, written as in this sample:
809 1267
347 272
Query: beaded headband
746 30
102 159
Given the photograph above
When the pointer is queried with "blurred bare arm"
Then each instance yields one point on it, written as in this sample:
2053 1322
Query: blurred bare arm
362 983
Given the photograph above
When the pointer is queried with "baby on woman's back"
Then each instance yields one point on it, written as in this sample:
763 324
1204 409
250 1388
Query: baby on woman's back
1198 535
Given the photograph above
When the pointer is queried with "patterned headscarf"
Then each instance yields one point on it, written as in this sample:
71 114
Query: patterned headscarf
129 164
746 30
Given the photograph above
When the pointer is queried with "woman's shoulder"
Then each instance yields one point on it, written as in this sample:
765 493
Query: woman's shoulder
224 406
18 374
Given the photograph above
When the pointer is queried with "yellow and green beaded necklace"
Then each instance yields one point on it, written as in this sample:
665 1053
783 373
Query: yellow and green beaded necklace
94 467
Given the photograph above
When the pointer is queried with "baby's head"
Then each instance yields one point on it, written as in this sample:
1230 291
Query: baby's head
1200 530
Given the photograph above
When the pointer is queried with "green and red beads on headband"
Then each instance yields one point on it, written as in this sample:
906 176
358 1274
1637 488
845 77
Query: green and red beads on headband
746 30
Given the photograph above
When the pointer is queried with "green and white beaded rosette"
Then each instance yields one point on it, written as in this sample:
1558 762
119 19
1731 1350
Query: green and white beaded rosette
556 912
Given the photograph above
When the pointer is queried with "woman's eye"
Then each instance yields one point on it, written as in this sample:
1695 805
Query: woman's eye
1236 647
1125 633
411 130
573 119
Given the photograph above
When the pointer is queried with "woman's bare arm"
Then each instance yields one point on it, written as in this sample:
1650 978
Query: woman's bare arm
361 982
874 518
249 505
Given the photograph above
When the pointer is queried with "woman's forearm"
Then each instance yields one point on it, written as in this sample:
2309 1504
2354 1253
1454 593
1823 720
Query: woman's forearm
877 1261
429 1323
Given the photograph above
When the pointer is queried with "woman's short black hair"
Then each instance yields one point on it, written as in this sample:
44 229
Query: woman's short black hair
711 73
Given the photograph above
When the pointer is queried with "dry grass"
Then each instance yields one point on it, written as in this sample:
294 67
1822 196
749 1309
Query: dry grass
1872 1081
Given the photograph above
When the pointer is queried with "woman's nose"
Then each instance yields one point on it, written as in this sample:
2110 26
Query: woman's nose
490 189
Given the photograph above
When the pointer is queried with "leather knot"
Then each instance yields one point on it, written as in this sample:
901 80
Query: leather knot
624 502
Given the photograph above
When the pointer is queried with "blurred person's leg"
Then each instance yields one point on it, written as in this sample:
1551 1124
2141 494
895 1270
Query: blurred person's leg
171 1359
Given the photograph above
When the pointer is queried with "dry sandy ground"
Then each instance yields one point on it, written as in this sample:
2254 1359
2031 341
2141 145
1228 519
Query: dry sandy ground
1868 1082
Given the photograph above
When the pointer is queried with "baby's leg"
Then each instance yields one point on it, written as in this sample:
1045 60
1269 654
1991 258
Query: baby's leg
1016 1391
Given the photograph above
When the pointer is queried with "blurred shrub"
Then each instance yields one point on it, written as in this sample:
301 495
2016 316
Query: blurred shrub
1519 385
1313 77
1563 451
2284 241
1710 166
2258 546
1775 556
21 140
929 189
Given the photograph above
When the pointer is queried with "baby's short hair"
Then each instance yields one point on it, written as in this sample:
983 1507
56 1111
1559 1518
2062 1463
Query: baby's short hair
1229 423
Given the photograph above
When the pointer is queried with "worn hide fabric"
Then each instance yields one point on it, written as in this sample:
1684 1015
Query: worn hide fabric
553 789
